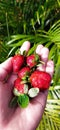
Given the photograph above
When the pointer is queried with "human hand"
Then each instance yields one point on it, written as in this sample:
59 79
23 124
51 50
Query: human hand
18 118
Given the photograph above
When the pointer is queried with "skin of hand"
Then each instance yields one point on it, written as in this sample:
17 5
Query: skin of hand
18 118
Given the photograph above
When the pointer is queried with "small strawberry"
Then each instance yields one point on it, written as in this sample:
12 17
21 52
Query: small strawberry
17 62
32 60
19 87
23 73
40 79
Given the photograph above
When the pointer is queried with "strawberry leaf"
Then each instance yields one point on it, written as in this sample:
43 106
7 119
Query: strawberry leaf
23 100
13 102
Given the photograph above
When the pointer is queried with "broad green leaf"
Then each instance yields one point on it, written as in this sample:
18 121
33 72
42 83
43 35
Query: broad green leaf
23 100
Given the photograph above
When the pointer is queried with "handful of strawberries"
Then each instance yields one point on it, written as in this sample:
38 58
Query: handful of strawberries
30 81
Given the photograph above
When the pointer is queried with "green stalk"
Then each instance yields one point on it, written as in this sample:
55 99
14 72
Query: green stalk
7 26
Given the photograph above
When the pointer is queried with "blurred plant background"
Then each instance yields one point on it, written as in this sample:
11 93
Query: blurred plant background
39 22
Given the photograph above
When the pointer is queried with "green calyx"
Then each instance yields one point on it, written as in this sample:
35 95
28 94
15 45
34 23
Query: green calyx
17 51
23 100
25 78
24 53
37 58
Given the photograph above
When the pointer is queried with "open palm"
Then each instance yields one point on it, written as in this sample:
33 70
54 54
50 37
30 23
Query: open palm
18 118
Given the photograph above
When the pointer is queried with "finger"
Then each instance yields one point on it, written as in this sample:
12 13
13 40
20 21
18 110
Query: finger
38 49
5 68
25 47
11 80
43 52
50 67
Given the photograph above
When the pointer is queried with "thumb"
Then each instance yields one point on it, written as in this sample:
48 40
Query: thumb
5 68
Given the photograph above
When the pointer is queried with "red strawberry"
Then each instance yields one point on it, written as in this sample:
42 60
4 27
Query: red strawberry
40 79
23 72
17 61
19 87
32 60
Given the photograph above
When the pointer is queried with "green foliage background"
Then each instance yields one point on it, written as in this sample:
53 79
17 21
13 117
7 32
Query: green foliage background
39 22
